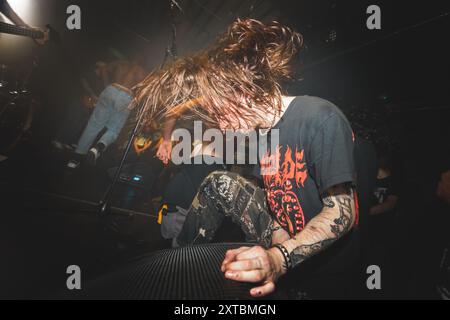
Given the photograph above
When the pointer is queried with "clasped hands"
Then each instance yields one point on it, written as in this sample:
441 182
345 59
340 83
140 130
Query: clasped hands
256 265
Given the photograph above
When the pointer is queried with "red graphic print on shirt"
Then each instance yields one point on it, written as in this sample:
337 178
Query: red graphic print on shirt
283 175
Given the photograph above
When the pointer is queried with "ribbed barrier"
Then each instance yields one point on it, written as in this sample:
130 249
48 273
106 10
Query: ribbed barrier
184 273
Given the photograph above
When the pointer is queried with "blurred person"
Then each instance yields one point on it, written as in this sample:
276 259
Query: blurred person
382 241
92 83
366 161
110 112
385 191
366 178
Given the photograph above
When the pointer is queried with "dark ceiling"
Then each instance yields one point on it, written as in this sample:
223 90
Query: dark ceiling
408 62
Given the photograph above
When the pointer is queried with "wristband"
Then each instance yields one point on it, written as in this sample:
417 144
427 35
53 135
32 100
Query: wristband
286 256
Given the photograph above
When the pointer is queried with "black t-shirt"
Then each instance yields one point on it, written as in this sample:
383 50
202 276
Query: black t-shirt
182 189
315 152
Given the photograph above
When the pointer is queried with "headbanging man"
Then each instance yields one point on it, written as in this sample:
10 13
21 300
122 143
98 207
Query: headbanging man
303 220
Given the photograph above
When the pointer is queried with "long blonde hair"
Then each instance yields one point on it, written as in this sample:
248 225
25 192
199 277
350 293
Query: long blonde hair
236 79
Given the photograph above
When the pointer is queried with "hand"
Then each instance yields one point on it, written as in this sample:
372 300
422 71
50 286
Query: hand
43 40
254 264
164 151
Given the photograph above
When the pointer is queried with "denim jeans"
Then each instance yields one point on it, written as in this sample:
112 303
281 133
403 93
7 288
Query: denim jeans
111 111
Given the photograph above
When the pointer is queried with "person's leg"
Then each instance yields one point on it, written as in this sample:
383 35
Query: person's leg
227 194
119 113
97 121
119 116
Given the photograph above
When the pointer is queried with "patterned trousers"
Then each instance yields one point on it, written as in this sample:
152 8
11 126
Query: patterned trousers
226 194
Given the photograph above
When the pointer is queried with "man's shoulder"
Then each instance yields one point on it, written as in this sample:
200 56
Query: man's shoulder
311 108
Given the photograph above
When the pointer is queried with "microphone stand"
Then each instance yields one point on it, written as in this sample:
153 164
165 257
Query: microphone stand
104 206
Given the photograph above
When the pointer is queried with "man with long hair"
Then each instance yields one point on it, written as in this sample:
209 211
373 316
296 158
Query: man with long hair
303 218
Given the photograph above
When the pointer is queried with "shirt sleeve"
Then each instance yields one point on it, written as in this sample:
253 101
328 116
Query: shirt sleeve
332 153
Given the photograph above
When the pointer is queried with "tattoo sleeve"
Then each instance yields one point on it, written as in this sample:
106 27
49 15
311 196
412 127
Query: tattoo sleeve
336 219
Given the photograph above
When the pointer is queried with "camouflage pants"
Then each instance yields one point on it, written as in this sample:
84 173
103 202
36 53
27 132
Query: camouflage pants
226 194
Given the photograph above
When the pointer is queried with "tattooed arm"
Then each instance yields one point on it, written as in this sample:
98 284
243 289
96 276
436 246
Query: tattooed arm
335 220
256 264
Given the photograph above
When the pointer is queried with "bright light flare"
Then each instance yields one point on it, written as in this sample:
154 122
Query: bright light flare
23 8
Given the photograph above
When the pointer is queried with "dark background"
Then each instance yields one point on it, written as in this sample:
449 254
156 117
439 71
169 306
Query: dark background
401 71
412 62
406 61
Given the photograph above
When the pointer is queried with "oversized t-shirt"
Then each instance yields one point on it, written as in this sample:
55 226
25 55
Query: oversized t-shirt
315 152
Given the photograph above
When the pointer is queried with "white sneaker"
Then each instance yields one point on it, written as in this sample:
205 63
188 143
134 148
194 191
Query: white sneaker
57 144
92 156
73 164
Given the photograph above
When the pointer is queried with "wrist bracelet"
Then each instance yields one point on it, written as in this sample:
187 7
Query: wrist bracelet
286 256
